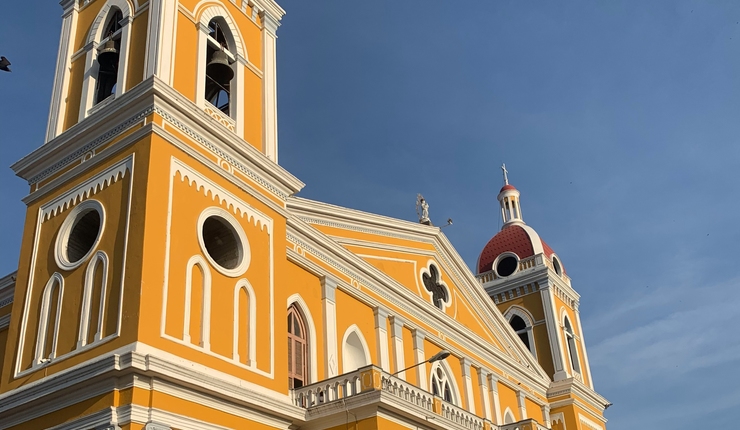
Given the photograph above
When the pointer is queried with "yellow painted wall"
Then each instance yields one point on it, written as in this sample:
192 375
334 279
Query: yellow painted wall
350 311
508 399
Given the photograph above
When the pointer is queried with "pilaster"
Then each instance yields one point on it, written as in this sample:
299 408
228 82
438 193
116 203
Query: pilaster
467 385
329 309
421 370
397 335
496 403
485 398
269 83
381 333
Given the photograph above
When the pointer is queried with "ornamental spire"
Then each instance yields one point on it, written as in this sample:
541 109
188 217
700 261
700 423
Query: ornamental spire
508 197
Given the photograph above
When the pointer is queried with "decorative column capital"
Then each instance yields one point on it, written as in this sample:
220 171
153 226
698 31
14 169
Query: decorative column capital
381 316
328 288
419 337
396 326
270 23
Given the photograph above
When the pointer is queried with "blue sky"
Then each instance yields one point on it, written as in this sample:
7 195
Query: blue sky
618 121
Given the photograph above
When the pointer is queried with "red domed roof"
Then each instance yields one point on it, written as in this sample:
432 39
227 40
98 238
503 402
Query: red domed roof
521 240
507 187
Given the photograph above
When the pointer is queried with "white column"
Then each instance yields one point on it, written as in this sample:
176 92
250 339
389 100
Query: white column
329 307
493 386
468 385
553 331
166 40
397 334
421 370
485 398
586 365
269 87
238 93
59 93
546 415
381 332
520 397
153 36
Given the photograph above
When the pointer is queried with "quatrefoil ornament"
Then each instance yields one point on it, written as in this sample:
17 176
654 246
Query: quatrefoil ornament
432 283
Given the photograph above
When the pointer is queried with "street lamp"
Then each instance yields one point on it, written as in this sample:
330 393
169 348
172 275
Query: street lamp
441 355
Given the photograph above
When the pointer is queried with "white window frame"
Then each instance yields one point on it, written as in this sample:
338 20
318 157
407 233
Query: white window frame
528 320
345 353
95 40
456 399
238 54
243 284
567 337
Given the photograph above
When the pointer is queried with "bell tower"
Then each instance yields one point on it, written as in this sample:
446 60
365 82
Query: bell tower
154 201
220 56
528 282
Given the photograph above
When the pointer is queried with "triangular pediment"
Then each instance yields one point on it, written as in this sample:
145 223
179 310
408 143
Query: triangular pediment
418 265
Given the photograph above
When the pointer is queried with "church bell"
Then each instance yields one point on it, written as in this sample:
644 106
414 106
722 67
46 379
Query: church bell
219 68
108 56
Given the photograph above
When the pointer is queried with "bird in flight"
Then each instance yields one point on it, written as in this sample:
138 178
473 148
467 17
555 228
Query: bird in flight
4 63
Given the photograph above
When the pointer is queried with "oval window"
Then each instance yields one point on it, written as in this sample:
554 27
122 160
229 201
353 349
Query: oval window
79 234
506 265
556 266
222 242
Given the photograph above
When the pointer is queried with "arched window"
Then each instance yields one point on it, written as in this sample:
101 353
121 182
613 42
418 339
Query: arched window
297 349
354 350
219 69
106 59
509 417
197 315
521 323
245 321
441 383
49 318
94 300
571 341
109 52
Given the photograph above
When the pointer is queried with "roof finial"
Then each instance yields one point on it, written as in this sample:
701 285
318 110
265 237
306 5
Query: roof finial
506 174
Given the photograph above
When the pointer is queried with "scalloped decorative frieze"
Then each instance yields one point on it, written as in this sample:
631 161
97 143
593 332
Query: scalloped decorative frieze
218 194
87 189
221 154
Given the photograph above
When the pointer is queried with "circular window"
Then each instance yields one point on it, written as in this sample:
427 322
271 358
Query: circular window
79 234
506 265
223 241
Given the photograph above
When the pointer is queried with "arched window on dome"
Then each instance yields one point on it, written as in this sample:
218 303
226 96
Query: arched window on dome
441 383
219 69
297 349
571 343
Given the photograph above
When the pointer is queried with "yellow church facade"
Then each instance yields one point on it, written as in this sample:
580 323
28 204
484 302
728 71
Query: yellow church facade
170 278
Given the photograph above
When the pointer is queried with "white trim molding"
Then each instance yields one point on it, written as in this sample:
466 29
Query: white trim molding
353 329
243 284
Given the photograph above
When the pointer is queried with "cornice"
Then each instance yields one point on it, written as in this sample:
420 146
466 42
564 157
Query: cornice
7 289
573 387
103 373
153 96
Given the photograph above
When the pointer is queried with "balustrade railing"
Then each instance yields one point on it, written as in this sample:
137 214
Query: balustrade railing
372 378
528 424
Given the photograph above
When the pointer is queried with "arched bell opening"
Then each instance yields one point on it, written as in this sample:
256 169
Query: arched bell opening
109 57
219 69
